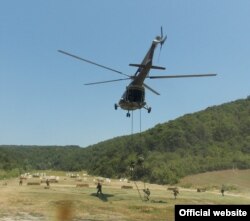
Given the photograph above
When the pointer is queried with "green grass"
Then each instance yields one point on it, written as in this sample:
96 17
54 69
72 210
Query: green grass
65 199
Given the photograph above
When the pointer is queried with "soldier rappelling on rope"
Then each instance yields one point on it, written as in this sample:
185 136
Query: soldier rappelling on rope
137 171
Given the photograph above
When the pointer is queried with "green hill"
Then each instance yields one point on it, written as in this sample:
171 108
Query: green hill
234 180
213 139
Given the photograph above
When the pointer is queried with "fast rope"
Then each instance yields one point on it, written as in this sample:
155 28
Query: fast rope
140 143
132 124
138 190
132 133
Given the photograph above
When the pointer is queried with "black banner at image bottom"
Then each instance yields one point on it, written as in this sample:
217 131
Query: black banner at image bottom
212 212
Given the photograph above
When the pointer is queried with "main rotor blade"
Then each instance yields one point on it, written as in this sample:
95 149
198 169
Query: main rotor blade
182 76
149 88
101 82
91 62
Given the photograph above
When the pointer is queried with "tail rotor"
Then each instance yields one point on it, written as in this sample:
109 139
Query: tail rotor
162 40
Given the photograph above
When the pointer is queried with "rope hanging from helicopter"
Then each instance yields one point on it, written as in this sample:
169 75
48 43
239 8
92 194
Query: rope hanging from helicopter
145 190
140 159
132 166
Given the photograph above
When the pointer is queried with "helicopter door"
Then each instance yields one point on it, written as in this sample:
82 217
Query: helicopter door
135 94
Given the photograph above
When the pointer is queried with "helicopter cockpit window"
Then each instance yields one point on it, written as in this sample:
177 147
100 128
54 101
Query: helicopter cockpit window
135 95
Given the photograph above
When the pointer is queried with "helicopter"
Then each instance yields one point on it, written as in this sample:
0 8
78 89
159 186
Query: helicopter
134 96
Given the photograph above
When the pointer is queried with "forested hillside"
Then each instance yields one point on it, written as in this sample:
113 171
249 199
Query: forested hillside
213 139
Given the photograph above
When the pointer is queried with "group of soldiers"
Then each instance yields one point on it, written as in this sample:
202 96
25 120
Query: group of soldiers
146 191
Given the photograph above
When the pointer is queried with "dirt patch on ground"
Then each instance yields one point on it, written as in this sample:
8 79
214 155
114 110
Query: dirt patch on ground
22 216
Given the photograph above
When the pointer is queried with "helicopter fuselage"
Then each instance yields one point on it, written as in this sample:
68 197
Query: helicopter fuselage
134 96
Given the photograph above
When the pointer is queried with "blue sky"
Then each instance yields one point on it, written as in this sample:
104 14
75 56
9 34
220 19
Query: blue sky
43 100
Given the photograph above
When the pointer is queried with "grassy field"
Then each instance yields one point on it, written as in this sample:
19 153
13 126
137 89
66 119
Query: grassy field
64 201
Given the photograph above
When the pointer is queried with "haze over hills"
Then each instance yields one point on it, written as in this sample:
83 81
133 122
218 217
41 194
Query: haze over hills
216 138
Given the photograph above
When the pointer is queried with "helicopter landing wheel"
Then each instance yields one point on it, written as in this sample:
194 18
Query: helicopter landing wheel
116 106
149 109
128 114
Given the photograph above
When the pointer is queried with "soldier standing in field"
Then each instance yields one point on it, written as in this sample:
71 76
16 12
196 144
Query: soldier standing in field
175 192
99 188
222 190
47 182
20 182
